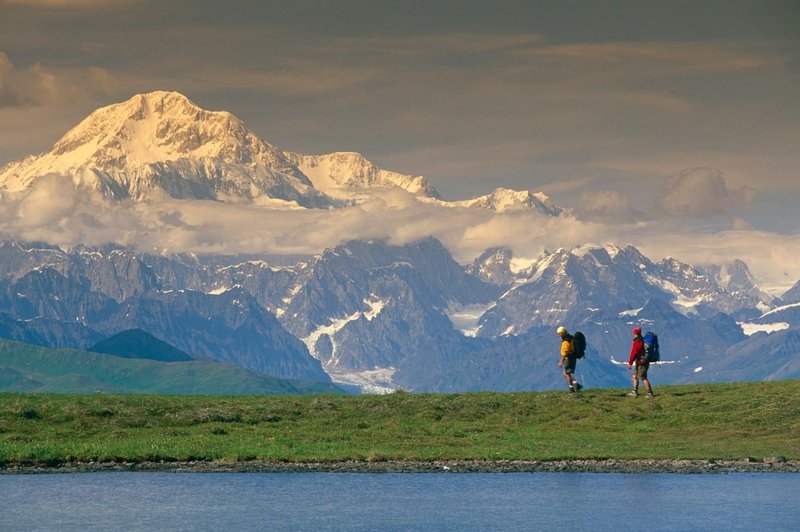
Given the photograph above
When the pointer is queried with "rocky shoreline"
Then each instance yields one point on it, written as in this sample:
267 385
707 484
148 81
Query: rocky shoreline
749 465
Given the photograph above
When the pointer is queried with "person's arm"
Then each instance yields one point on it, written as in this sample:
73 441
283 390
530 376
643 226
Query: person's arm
632 356
566 349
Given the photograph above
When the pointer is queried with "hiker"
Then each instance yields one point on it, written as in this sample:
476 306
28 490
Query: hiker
639 358
568 359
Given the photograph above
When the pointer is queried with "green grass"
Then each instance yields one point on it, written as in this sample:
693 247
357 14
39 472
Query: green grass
724 421
30 368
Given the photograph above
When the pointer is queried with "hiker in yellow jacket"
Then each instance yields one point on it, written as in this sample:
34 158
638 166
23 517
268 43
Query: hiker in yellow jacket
567 359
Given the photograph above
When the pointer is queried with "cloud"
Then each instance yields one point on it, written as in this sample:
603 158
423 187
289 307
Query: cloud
16 89
49 203
447 43
69 4
55 211
296 78
700 193
38 85
607 206
658 58
772 257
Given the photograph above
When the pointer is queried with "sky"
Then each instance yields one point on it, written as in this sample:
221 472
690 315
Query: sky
673 125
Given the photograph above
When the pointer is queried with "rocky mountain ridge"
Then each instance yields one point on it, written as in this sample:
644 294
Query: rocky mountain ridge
379 317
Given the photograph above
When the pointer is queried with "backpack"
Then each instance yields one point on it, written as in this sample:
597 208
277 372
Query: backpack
578 344
651 350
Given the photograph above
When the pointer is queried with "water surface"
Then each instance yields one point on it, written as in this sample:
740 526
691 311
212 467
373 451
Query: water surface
406 501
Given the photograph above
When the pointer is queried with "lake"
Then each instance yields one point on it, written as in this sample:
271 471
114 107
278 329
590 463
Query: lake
406 501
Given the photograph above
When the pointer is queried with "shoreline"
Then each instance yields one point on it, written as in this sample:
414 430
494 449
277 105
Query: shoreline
650 466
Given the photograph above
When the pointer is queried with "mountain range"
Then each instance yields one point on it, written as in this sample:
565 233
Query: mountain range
379 316
366 313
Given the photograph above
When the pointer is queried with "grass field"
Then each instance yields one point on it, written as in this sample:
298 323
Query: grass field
722 421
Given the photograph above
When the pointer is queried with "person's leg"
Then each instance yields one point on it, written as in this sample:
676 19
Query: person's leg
569 370
635 381
570 381
646 380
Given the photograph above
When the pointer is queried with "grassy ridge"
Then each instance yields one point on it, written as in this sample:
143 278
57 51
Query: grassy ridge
29 368
723 421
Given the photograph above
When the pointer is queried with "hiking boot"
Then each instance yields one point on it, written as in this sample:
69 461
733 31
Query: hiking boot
571 389
634 394
650 394
578 386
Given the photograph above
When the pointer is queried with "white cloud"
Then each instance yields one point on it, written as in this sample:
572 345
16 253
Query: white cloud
54 211
38 85
608 206
69 4
773 258
700 192
665 58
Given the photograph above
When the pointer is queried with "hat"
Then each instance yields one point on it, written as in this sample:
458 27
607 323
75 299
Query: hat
637 331
561 330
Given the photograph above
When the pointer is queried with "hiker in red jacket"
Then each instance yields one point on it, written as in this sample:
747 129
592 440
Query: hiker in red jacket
638 357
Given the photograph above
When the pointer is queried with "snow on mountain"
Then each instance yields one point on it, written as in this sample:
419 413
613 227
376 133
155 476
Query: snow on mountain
345 174
505 200
465 317
494 265
565 283
777 317
159 143
348 175
761 356
736 279
728 288
752 328
572 284
336 325
378 317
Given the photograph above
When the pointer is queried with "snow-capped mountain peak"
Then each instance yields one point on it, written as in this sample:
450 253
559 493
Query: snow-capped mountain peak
506 199
162 142
158 127
340 174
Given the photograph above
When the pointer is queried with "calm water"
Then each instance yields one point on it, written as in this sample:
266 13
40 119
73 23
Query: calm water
330 501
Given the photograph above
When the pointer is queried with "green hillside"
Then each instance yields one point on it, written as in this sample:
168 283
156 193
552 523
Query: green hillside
722 421
29 368
136 343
